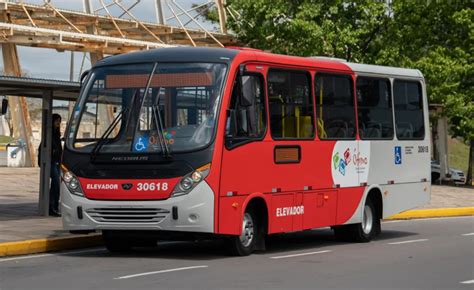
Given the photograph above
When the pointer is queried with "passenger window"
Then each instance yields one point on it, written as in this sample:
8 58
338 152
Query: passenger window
374 107
246 118
335 106
291 104
408 110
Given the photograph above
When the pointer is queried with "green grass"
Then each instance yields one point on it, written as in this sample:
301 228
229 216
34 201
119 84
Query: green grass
5 139
458 154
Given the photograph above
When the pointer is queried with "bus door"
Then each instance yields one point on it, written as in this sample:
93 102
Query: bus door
292 134
246 157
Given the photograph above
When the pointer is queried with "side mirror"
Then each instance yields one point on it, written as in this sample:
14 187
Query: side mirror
231 125
247 91
4 107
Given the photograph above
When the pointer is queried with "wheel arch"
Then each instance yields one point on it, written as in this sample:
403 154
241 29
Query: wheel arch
258 202
375 193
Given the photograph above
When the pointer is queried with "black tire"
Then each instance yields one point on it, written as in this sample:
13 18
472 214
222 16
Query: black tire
116 243
362 232
435 177
245 244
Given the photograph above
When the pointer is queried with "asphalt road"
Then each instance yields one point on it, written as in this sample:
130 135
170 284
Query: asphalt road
430 253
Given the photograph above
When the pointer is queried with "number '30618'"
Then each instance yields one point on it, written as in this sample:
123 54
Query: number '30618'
152 186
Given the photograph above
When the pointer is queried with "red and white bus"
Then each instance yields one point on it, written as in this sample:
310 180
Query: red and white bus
239 143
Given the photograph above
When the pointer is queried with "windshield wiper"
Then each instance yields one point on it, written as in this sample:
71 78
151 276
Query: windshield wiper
159 128
156 114
103 139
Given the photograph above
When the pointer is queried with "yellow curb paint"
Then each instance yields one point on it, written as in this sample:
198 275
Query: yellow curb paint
436 212
49 244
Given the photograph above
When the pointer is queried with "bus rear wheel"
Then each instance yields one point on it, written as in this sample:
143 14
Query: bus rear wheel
362 232
245 244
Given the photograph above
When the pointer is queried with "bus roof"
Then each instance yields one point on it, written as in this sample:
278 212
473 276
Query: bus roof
226 55
172 54
384 70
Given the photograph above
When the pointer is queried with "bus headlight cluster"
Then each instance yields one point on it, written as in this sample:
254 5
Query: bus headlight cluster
72 183
190 181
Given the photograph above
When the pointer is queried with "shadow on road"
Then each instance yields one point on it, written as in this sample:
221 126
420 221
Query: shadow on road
313 240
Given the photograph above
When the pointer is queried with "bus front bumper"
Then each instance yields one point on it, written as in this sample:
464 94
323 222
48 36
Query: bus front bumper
193 212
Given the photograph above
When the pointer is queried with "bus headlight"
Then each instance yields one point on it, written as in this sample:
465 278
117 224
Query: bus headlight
72 183
190 180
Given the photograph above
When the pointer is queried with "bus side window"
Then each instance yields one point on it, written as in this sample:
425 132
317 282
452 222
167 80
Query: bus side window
374 106
291 104
246 119
335 106
408 101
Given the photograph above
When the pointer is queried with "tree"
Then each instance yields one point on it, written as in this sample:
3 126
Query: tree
338 28
435 37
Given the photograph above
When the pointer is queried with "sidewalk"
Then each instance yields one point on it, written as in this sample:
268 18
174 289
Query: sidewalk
19 219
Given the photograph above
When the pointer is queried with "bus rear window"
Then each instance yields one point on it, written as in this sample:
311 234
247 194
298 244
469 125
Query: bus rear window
408 110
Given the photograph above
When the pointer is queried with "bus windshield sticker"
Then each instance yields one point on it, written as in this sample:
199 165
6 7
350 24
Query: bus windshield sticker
141 143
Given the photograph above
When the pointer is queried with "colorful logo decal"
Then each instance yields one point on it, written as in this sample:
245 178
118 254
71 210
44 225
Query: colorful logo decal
341 164
342 167
398 155
169 137
335 160
347 156
350 163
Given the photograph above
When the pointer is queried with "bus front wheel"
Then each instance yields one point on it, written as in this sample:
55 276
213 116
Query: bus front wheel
245 244
362 232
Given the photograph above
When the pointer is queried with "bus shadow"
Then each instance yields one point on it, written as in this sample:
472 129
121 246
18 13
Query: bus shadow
322 238
183 250
218 249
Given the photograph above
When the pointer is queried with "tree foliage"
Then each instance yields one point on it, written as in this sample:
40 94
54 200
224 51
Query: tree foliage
435 37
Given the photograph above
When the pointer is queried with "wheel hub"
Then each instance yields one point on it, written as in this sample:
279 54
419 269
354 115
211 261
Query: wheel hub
367 220
247 235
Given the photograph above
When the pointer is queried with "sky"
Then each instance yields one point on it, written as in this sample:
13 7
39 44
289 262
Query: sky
48 63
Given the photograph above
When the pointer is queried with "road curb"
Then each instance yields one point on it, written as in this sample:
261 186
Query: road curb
83 241
49 245
433 213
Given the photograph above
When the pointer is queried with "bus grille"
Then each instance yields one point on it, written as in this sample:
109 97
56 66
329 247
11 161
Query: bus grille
127 215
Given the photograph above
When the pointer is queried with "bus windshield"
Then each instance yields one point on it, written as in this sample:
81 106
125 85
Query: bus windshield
148 108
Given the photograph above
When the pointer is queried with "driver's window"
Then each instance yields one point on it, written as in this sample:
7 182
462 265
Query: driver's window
247 116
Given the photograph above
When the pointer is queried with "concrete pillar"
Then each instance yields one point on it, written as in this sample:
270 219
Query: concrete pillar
442 145
45 151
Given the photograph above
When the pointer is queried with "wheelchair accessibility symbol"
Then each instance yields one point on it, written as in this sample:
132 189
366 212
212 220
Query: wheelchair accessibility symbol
141 144
398 155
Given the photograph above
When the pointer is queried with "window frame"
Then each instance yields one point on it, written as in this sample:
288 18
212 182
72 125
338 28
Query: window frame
229 145
391 101
311 98
420 87
354 100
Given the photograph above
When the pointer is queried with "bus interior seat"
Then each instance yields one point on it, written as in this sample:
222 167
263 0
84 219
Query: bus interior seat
405 130
337 129
372 130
